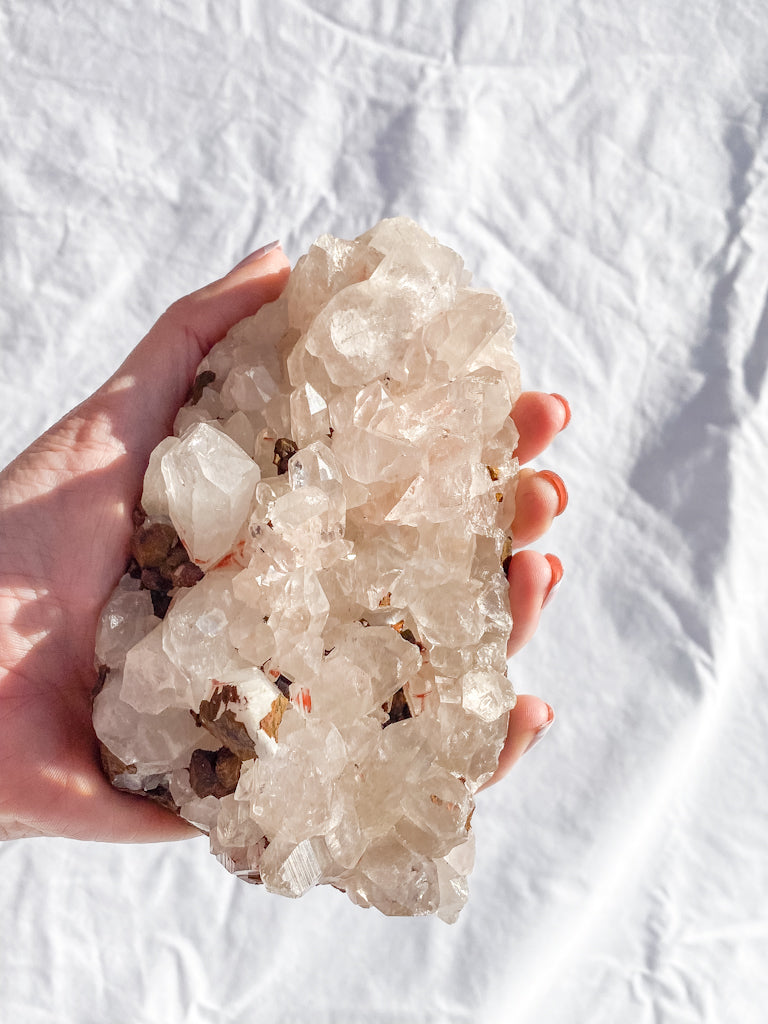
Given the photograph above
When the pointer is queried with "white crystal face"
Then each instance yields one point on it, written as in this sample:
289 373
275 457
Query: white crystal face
209 482
307 656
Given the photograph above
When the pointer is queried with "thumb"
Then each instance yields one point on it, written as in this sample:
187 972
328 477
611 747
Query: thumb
144 395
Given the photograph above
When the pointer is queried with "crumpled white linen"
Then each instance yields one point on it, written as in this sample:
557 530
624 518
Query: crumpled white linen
603 166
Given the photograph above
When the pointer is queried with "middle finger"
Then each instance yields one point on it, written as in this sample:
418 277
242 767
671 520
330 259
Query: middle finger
539 498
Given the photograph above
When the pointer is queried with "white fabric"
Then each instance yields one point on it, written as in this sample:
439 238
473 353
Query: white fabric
602 164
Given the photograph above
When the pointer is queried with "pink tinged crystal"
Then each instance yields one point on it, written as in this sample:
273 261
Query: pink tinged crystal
195 632
309 415
487 694
125 620
150 744
345 476
248 388
210 483
294 873
241 430
154 498
151 682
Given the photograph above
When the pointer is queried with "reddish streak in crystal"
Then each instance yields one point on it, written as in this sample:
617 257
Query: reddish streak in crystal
303 700
235 557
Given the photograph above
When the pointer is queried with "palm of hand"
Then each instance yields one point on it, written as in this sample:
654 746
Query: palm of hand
66 527
65 508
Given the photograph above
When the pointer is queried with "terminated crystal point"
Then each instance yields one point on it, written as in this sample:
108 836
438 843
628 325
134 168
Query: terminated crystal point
306 657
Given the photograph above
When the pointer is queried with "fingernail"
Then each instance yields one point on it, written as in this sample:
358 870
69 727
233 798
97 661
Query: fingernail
259 254
559 485
542 731
567 408
557 578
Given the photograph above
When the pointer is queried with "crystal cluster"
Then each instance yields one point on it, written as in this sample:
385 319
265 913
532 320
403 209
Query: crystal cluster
307 655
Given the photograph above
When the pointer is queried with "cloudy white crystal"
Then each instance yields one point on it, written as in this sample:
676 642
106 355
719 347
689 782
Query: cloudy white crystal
338 677
209 482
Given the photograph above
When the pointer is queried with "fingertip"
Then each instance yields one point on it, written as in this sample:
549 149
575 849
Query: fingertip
541 729
566 409
257 255
529 576
533 580
529 721
557 578
539 417
137 819
266 262
558 485
540 497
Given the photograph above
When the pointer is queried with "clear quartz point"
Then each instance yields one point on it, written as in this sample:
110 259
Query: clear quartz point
314 672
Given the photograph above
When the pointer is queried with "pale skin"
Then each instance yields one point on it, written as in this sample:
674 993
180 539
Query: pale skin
65 524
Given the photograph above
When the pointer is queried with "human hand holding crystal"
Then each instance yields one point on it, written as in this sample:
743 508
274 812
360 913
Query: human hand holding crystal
65 523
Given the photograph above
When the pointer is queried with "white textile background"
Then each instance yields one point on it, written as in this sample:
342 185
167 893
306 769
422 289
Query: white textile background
600 163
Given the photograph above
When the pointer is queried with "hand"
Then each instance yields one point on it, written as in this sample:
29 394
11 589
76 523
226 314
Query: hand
533 578
65 524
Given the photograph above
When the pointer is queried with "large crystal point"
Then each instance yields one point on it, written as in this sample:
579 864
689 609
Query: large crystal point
307 655
209 481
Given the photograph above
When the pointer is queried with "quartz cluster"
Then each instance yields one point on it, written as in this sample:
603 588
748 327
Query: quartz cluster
306 657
